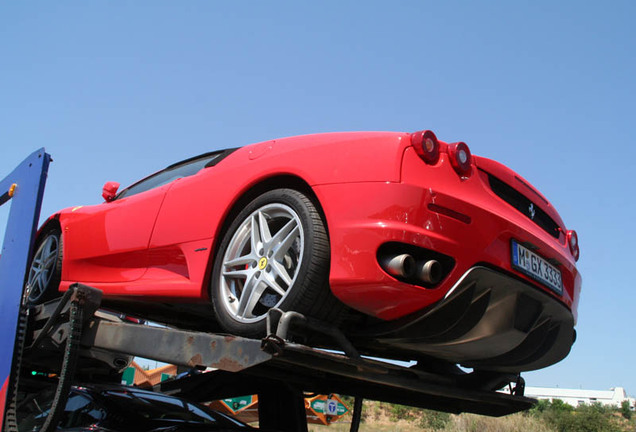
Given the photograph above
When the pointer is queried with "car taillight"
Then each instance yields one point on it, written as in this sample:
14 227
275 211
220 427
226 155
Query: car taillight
426 146
460 158
573 242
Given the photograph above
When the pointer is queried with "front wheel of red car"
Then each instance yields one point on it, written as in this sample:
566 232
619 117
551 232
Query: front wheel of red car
274 254
45 271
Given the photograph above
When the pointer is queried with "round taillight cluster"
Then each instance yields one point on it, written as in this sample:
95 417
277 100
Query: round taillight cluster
426 146
573 242
460 158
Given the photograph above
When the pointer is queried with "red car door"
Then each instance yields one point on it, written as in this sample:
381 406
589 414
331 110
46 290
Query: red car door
109 242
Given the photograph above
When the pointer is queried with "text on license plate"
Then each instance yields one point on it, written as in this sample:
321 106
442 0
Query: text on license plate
528 262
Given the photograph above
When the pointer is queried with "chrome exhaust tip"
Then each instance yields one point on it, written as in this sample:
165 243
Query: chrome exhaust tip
430 272
402 265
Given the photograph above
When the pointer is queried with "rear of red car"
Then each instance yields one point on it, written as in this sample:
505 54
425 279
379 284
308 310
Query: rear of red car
473 264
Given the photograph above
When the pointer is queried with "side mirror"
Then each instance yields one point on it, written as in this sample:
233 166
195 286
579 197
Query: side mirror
109 191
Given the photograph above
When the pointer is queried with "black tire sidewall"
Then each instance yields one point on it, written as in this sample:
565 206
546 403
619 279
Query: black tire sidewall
315 260
51 290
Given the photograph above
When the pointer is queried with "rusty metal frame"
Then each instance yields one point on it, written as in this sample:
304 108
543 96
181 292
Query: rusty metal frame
183 348
250 366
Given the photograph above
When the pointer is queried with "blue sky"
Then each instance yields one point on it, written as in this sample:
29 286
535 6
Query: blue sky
116 90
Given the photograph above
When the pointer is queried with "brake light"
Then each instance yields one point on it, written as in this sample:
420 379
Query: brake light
573 242
460 158
426 146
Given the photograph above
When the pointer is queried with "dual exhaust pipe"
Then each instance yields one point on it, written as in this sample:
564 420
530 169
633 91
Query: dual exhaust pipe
405 266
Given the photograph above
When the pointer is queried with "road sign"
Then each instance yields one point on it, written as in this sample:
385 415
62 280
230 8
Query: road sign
330 407
325 409
238 403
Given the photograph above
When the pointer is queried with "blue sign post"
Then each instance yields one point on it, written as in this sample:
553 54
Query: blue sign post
22 190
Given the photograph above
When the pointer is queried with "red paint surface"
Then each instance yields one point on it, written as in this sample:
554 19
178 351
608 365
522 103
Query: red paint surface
372 187
3 401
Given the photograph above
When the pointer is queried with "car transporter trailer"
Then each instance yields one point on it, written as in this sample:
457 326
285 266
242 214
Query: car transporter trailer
51 343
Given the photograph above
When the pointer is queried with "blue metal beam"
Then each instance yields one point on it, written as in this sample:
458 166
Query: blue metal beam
22 190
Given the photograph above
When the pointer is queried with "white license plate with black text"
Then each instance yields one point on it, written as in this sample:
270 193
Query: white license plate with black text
531 264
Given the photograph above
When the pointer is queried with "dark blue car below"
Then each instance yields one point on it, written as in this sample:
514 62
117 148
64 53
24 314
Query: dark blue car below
122 409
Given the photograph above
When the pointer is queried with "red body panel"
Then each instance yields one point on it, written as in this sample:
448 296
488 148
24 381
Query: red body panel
110 241
372 187
363 216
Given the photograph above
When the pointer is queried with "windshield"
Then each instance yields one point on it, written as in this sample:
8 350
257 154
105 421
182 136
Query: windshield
179 170
157 406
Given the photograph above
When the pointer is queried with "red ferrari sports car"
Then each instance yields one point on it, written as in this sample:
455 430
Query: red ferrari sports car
415 247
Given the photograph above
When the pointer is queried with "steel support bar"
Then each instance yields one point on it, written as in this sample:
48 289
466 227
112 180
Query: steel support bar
322 372
396 380
274 365
183 348
302 367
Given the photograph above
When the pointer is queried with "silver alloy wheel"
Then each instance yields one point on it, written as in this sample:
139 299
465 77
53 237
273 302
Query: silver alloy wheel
42 268
261 262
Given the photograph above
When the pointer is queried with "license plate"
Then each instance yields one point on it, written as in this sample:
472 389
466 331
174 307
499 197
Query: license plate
531 264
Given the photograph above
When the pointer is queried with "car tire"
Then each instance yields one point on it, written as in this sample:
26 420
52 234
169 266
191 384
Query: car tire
45 269
274 254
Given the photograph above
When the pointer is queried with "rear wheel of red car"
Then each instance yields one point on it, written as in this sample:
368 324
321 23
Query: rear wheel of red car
274 254
45 270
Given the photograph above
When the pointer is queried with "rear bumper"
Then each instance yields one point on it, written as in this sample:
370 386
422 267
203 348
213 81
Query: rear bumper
489 321
362 217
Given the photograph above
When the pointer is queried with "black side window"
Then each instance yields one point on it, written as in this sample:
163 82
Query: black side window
80 411
176 171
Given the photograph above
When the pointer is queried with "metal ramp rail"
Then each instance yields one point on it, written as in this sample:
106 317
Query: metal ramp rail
273 367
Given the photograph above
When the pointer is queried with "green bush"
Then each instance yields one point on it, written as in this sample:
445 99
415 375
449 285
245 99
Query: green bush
540 407
400 412
560 406
585 418
626 412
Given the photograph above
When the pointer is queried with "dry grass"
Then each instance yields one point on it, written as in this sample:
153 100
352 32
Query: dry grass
458 423
511 423
400 426
378 417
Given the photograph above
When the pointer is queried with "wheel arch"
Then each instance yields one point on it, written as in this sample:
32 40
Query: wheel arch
51 222
281 181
